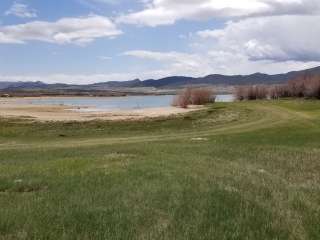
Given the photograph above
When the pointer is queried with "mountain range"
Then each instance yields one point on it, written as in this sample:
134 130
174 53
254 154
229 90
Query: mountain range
173 82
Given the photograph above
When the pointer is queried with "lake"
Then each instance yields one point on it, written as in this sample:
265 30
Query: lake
113 103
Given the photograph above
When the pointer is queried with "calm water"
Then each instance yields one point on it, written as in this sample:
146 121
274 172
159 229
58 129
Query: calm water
115 103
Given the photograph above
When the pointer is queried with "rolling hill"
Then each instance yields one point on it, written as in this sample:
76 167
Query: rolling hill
164 83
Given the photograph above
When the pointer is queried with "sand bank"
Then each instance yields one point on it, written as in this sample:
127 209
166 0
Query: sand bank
11 108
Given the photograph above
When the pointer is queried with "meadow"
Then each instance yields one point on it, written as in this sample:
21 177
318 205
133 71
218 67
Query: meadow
243 170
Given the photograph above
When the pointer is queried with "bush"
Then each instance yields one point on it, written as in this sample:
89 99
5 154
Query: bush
296 88
241 93
182 99
279 91
200 96
251 92
305 86
193 96
311 86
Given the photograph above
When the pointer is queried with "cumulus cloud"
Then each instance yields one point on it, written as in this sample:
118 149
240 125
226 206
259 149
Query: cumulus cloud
215 61
175 62
159 56
164 12
64 31
21 10
277 38
269 36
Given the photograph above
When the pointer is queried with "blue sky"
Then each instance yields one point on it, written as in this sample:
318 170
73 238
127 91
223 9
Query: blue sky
81 41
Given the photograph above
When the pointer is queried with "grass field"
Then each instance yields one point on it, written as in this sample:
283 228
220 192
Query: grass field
233 171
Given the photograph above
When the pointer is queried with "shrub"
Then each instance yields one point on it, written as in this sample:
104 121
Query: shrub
279 91
251 92
241 93
182 99
200 96
312 86
261 92
296 88
307 86
274 92
193 96
304 86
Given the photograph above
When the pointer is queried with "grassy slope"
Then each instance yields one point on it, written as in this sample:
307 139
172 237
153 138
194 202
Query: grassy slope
234 171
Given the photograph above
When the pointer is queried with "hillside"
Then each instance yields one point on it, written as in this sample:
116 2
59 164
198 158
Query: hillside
164 83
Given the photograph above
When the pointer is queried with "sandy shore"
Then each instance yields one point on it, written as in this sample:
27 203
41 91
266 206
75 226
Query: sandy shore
10 108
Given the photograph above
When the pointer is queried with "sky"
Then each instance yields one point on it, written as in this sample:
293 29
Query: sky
88 41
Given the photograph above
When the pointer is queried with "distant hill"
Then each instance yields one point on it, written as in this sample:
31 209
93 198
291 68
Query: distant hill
217 79
30 85
165 83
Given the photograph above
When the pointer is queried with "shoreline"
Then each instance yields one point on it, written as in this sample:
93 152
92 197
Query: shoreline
10 108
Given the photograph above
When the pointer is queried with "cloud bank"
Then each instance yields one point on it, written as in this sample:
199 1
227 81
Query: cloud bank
269 36
165 12
277 38
64 31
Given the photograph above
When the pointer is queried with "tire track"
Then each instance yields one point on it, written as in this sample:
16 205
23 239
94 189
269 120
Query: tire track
269 116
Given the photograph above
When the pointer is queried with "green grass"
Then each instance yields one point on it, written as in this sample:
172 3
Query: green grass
233 171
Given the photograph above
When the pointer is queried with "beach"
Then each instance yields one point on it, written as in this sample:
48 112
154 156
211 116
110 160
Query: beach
12 108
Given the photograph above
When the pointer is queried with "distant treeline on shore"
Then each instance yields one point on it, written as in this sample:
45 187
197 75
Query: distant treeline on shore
304 86
74 93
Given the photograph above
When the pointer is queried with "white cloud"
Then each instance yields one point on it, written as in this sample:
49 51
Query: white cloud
104 58
64 31
21 10
159 56
269 36
216 61
234 63
164 12
176 62
277 38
